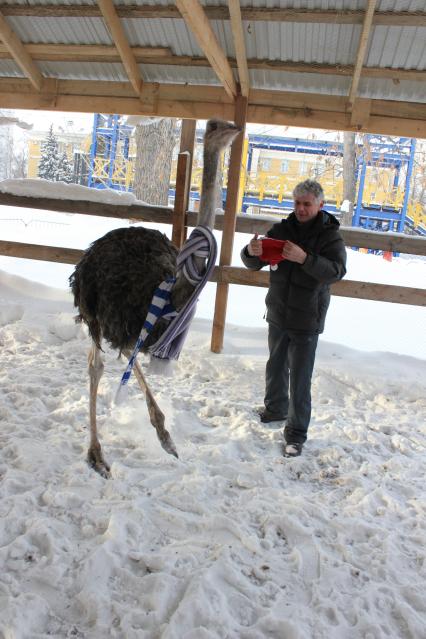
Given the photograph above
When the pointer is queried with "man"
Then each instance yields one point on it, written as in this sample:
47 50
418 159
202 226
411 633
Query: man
297 302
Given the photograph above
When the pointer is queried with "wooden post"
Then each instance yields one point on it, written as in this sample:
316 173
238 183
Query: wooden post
232 192
183 181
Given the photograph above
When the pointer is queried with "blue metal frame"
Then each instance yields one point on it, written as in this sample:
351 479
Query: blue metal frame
383 152
110 128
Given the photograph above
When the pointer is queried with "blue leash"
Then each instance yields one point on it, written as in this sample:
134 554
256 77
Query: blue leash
201 243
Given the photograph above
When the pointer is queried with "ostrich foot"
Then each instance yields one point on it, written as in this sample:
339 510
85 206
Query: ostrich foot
167 443
96 461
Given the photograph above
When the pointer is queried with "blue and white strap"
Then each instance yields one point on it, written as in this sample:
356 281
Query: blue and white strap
201 243
158 307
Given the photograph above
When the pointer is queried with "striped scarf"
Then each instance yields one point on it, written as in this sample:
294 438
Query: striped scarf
201 243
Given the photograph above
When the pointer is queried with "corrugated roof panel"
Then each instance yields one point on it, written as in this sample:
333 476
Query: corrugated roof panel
167 32
84 71
8 68
60 30
320 43
178 75
376 88
398 47
162 33
49 2
312 43
331 5
385 89
302 82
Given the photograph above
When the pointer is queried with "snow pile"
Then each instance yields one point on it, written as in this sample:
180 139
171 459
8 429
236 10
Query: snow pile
30 187
231 540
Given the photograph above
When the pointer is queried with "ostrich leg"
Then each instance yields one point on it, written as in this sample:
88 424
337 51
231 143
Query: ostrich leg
94 454
156 415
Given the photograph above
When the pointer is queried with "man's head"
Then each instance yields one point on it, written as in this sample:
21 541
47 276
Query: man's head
308 200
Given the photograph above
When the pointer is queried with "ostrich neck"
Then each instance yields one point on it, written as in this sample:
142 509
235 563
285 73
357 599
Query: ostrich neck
210 200
210 192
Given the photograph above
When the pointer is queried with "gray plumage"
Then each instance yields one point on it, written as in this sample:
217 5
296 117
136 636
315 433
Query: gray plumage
115 280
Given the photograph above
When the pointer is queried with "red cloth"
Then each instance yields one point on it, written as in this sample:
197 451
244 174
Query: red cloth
272 251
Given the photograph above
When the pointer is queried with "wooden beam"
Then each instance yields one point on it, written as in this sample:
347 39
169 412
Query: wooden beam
362 49
119 38
140 212
202 102
395 242
183 181
226 275
344 288
19 54
183 186
239 45
360 113
91 53
38 252
163 55
229 221
252 14
194 15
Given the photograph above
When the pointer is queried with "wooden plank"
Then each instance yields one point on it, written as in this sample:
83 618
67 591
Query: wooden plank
163 55
119 38
183 185
395 242
239 45
360 113
232 198
388 18
19 54
226 275
203 102
187 136
140 212
194 15
362 49
91 53
344 288
38 252
183 182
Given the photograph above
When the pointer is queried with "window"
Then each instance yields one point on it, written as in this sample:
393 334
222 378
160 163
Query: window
285 166
303 167
265 164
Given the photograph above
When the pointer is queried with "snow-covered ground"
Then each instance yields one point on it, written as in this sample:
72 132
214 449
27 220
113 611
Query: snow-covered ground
230 541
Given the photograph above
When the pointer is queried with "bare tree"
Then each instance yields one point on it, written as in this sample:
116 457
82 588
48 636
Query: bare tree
349 175
154 148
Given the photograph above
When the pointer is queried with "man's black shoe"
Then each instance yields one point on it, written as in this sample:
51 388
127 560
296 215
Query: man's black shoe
266 416
293 449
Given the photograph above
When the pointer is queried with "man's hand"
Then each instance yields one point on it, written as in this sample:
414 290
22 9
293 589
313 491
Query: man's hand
254 248
294 253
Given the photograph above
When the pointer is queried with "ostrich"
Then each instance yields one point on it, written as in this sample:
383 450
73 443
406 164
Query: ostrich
114 282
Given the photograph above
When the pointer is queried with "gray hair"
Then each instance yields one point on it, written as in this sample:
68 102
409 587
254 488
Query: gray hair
309 187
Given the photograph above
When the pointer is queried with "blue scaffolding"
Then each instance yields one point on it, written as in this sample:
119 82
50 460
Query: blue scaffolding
110 150
377 151
109 153
385 152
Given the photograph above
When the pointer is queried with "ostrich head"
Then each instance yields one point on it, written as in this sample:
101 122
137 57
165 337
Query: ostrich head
220 134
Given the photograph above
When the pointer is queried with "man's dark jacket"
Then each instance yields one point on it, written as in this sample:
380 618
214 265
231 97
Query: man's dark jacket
299 294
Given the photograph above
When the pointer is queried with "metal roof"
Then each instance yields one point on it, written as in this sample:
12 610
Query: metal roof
294 42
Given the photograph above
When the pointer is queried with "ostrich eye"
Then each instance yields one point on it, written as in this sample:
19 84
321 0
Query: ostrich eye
213 126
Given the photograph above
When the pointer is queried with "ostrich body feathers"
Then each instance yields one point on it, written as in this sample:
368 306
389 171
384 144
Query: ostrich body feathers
115 280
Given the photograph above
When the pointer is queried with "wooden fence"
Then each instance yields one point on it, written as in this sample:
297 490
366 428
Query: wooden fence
395 242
